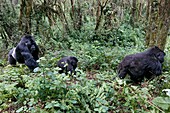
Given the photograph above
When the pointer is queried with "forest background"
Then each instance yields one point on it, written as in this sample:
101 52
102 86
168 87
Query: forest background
99 33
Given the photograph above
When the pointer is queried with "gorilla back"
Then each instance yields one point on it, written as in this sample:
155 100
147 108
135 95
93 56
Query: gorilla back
140 65
26 52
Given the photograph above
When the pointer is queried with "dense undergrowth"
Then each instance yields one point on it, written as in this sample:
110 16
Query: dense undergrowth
93 89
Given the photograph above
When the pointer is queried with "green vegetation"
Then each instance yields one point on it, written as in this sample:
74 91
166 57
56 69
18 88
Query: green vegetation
93 89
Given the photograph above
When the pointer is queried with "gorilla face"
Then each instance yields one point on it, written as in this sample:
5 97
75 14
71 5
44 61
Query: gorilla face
158 53
160 56
27 43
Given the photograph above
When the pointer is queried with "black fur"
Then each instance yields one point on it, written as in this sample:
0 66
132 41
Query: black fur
140 65
26 52
67 64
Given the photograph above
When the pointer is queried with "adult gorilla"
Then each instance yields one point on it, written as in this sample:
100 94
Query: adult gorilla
140 65
25 52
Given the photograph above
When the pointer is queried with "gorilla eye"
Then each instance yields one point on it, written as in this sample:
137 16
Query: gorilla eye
27 43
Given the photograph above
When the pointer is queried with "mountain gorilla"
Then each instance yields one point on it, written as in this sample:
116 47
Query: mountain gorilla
25 52
67 64
140 65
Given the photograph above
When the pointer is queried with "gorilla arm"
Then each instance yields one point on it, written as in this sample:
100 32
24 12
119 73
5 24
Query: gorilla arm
155 67
34 51
124 65
28 58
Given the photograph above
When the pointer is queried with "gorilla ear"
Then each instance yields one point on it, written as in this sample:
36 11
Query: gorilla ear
156 47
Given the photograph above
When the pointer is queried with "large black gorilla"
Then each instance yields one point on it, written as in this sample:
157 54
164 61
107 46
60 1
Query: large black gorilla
140 65
67 64
26 52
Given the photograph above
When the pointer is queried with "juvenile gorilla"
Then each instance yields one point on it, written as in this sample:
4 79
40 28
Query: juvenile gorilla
68 63
26 52
140 65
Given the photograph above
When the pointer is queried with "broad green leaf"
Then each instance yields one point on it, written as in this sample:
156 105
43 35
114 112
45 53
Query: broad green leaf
20 109
163 102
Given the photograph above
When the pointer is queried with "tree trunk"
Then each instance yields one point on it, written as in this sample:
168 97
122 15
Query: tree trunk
49 13
28 16
76 15
133 10
99 13
25 12
148 10
22 5
159 22
63 18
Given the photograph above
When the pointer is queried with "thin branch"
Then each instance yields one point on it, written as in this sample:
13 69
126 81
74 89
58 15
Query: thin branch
155 106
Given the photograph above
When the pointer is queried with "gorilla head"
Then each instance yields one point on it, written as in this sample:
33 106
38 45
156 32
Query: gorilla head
157 53
140 65
26 52
67 64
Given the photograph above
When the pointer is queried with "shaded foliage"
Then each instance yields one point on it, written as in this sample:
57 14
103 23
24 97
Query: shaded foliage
67 28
